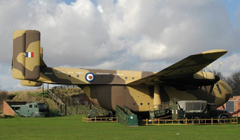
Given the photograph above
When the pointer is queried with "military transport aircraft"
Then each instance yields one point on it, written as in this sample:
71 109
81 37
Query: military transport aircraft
184 80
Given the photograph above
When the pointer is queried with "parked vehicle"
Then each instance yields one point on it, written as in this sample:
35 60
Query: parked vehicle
34 109
198 109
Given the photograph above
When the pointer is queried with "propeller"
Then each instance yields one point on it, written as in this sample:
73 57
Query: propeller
220 64
210 67
217 77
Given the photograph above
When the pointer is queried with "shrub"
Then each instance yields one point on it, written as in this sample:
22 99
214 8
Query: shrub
3 97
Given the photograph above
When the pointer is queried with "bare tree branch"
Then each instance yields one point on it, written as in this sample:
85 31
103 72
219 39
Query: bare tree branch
234 82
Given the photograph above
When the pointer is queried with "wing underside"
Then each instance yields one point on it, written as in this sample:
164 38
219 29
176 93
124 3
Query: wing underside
184 68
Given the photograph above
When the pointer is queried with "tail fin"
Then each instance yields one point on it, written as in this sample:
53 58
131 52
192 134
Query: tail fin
42 63
26 55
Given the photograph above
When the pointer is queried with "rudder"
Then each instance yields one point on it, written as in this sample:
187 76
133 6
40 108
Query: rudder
26 55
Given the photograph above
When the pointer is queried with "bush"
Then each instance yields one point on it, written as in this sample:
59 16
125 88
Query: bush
3 97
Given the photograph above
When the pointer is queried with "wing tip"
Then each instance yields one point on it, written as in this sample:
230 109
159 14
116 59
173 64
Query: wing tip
215 51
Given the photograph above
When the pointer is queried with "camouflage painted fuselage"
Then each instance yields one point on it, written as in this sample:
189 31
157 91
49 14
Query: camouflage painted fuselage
137 90
109 88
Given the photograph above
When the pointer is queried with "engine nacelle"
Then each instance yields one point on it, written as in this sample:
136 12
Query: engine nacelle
206 78
204 75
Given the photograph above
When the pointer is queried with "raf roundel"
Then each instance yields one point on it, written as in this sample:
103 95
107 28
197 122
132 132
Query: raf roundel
89 77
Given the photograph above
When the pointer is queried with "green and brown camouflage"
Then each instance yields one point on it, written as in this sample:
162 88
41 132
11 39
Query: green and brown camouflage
137 90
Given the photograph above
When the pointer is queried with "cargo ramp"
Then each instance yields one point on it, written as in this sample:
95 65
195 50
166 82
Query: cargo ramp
126 117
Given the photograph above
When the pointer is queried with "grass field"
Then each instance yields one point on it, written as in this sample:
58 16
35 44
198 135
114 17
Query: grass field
72 127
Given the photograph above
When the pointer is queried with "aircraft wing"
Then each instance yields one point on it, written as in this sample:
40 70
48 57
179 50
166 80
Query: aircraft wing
183 68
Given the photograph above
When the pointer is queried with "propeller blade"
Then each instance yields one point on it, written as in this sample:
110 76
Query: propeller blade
218 88
219 67
211 89
210 67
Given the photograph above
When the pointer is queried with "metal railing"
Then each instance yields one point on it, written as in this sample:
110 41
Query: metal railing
163 105
211 121
98 119
54 97
58 101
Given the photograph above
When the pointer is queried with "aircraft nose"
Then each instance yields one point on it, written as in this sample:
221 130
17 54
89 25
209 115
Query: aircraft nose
222 92
230 93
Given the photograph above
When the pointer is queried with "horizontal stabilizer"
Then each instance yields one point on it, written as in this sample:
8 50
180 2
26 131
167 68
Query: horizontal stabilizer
30 83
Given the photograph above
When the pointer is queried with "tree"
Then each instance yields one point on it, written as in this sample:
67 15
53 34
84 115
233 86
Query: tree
234 82
3 97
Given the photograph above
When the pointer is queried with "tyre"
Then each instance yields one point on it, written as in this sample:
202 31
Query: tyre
196 119
34 115
223 119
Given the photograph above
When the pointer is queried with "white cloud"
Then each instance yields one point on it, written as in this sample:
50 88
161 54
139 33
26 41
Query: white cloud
230 64
7 82
147 49
126 35
5 69
155 66
18 86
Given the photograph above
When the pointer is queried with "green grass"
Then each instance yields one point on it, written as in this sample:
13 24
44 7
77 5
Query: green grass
72 127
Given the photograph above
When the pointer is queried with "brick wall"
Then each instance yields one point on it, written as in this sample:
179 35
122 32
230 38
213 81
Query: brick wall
7 110
237 105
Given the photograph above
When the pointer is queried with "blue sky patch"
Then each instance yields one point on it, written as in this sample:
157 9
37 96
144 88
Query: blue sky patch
232 7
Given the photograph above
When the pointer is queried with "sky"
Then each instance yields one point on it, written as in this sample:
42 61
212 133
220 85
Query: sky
121 34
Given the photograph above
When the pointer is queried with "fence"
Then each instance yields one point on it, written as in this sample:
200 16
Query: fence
65 86
98 119
159 122
211 121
